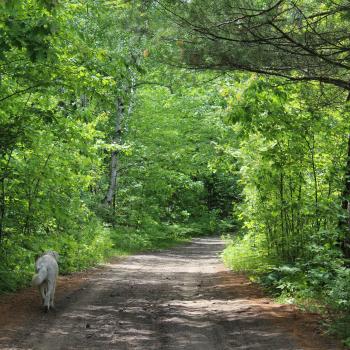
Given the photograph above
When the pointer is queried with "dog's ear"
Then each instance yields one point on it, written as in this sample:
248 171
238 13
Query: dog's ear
53 254
56 256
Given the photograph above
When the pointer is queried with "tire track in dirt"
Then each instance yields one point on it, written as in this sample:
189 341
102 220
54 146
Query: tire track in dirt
181 298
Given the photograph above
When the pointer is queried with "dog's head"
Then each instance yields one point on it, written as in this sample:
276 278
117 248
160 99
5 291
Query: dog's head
53 254
49 252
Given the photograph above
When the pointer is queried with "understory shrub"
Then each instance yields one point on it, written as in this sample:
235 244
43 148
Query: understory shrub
247 254
318 283
77 250
129 239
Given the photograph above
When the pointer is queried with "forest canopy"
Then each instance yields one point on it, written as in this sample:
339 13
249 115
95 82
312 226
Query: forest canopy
298 40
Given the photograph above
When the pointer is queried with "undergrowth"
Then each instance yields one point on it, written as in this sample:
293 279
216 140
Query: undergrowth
81 250
317 284
77 251
128 240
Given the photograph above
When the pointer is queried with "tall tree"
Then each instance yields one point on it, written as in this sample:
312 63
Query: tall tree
301 41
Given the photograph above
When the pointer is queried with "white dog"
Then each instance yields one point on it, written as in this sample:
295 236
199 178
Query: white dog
45 278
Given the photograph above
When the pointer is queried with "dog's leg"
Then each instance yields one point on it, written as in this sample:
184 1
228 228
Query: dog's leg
49 290
42 293
52 298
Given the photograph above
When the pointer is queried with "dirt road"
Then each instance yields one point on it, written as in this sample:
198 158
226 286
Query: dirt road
182 298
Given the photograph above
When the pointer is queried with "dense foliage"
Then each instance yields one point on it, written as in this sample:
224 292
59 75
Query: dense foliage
302 40
98 153
290 152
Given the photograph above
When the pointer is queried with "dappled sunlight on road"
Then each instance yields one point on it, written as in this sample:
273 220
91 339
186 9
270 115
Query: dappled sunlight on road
181 298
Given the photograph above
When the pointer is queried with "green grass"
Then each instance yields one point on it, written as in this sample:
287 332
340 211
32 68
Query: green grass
127 241
246 254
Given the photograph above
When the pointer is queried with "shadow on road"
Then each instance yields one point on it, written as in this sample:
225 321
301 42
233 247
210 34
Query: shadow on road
181 298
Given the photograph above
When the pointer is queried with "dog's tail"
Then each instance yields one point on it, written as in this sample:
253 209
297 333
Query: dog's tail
39 277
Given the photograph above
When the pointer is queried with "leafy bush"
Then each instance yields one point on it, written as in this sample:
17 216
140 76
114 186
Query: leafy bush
77 250
338 298
127 239
318 283
339 292
284 281
247 253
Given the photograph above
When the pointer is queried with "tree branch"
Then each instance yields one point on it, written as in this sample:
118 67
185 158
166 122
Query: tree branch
19 92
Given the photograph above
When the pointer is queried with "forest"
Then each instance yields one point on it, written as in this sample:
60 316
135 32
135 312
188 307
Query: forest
132 125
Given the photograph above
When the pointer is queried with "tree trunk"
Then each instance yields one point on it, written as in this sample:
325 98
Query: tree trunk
114 171
314 173
121 118
345 222
2 207
3 194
